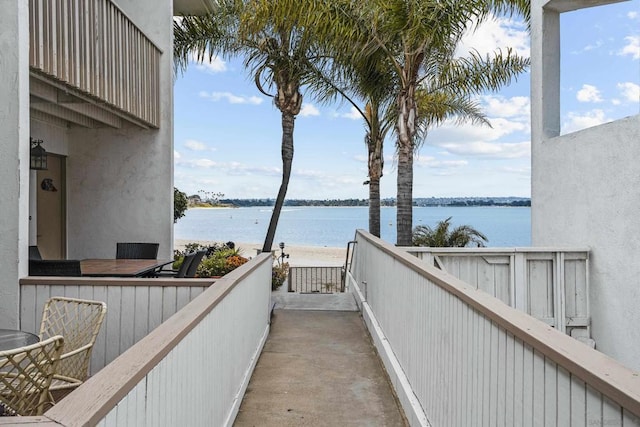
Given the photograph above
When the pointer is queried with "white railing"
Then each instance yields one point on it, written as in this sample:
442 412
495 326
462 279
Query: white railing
460 357
91 46
135 307
550 284
191 370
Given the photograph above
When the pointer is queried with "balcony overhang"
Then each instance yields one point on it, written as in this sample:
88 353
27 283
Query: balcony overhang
193 7
562 6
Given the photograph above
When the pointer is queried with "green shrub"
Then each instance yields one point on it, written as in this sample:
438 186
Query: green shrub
221 258
220 263
279 275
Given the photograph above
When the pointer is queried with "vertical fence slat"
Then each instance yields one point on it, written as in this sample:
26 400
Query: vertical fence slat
92 46
324 280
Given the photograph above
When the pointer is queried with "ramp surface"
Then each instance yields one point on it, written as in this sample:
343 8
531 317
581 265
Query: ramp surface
319 368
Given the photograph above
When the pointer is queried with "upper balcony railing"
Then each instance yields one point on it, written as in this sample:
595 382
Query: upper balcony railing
91 46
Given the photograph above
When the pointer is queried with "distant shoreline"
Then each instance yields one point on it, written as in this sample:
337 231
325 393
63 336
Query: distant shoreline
418 202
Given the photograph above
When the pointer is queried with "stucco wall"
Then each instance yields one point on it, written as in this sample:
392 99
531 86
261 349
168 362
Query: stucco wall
586 191
14 155
121 180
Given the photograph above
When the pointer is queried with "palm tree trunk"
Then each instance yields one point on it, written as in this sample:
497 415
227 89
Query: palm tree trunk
374 206
287 160
404 194
375 173
406 129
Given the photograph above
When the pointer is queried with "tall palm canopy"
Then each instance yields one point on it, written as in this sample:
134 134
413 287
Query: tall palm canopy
421 39
418 41
275 49
367 84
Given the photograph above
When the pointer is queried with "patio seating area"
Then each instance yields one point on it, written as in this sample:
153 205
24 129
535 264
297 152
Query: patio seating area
33 377
132 260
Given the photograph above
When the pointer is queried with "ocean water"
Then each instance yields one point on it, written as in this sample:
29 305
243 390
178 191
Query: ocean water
335 226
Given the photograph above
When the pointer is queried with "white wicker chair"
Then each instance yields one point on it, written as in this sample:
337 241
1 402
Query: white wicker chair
78 321
25 377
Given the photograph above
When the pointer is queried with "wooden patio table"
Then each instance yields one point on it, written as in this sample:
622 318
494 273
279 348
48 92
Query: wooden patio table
120 267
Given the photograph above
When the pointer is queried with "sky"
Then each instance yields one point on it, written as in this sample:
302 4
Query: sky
227 134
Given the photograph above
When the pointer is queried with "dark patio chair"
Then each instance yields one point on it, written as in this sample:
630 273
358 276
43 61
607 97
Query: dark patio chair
137 250
34 253
54 267
180 272
195 262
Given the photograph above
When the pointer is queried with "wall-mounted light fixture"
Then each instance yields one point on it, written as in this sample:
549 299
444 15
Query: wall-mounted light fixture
38 155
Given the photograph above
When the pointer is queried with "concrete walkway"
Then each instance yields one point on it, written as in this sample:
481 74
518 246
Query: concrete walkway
318 368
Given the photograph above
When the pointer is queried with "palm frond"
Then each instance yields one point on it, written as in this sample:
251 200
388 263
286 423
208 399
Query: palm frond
440 236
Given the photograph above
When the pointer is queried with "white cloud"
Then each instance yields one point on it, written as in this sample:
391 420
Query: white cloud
432 162
497 33
494 150
308 110
577 121
633 15
499 106
231 168
630 91
353 114
176 156
203 163
231 98
215 65
327 180
632 47
240 169
194 145
596 45
524 170
501 127
588 93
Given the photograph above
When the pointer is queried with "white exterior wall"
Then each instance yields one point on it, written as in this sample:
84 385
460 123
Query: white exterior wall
121 180
14 154
585 192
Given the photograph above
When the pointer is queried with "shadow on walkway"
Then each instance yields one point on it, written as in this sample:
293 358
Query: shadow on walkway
319 368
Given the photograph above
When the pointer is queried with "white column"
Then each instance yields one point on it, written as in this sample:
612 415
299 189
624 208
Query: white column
545 72
14 155
545 96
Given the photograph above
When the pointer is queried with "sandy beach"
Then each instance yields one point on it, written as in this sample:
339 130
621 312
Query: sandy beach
299 256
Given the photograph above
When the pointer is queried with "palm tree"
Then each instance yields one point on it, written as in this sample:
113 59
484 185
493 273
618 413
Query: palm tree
365 81
416 40
275 48
419 38
440 236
